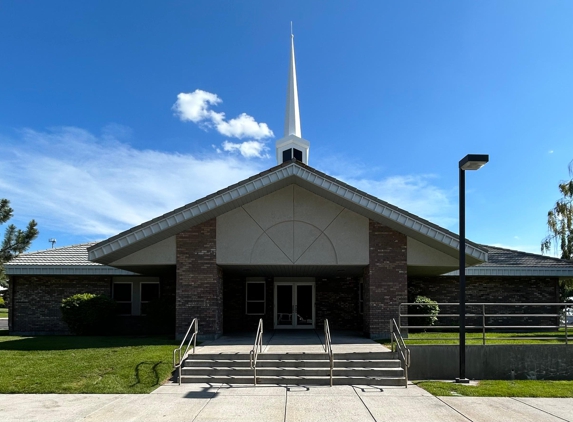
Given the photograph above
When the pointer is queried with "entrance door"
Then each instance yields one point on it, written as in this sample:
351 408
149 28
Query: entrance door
294 303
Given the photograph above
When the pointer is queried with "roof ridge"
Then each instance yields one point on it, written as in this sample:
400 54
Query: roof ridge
529 253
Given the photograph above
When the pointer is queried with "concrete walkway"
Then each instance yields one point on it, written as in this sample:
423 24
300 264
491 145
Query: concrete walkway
222 403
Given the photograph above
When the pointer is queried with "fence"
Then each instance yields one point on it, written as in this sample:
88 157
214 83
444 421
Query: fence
492 317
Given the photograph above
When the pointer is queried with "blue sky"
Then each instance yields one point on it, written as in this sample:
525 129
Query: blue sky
392 95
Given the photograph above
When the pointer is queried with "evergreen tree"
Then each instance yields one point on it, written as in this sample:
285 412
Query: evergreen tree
15 240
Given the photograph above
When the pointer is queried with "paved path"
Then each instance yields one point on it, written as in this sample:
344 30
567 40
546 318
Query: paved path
220 403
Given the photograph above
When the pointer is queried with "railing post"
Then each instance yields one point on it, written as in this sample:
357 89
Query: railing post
566 312
391 336
483 322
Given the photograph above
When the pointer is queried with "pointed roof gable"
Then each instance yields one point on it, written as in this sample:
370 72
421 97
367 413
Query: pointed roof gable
292 172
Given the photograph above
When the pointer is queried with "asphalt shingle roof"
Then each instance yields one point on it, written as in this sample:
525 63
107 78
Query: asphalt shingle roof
67 255
508 257
67 260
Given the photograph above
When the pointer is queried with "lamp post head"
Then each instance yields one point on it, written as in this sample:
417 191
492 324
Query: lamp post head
473 161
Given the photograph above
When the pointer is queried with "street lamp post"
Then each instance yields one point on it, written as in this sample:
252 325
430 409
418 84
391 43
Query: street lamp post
469 162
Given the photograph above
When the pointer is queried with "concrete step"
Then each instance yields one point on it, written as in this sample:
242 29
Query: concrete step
293 380
267 363
360 368
294 356
297 372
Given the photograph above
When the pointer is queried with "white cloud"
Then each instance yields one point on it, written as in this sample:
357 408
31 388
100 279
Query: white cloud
248 149
550 151
195 107
413 193
74 182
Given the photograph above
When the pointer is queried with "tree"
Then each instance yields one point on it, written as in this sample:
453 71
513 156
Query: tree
560 221
560 225
15 240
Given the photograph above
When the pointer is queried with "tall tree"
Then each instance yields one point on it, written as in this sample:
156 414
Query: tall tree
560 221
15 240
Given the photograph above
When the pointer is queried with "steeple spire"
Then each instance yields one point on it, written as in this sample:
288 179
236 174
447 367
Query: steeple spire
292 145
292 116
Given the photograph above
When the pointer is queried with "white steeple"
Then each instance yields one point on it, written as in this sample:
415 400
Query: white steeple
292 117
292 145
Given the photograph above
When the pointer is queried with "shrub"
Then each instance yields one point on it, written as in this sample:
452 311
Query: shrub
2 303
426 306
88 314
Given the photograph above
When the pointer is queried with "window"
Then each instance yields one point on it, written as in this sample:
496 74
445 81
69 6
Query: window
297 154
255 301
149 292
287 155
133 294
123 295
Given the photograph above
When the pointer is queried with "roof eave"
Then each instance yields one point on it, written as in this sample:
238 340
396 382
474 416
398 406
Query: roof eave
515 271
65 270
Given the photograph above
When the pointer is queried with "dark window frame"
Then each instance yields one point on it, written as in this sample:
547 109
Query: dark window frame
141 301
263 301
115 283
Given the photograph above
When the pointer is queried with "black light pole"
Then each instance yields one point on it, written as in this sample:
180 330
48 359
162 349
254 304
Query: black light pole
469 162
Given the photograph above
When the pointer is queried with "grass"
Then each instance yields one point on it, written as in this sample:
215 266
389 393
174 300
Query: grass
3 312
476 338
70 364
496 388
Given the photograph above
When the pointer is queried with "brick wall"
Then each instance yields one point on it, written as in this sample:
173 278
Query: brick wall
491 290
385 279
35 300
337 301
199 290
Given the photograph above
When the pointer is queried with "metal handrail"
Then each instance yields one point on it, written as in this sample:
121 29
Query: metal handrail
396 338
257 348
328 347
485 315
193 339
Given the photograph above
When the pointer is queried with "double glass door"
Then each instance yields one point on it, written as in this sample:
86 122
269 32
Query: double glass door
294 304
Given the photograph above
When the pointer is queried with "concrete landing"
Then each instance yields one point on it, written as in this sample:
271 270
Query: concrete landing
291 341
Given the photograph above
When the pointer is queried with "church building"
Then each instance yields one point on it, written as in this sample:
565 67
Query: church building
290 245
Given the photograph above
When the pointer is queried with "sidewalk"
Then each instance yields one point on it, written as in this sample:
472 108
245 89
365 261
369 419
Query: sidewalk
203 402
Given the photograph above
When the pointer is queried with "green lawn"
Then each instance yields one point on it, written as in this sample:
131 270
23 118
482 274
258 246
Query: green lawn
476 338
494 388
3 312
70 364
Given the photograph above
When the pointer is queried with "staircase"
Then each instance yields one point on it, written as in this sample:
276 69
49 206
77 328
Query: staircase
361 368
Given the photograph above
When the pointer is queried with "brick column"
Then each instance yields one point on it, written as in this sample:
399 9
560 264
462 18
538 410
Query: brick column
385 279
199 290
